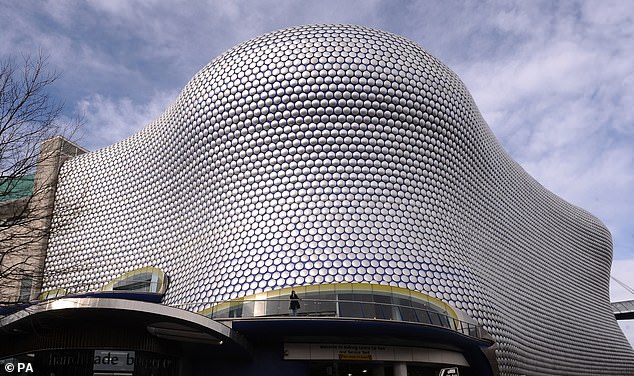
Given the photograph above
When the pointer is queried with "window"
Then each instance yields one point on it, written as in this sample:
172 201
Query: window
149 280
143 282
26 284
343 300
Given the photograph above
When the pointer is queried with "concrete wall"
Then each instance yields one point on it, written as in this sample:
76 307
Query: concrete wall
23 248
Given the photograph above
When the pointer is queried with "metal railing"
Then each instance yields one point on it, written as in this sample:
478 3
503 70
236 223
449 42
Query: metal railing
339 308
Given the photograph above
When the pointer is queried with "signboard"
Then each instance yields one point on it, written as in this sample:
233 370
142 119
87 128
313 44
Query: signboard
109 360
112 361
355 356
361 352
350 352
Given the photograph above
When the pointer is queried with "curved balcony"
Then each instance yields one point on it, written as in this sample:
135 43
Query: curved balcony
350 301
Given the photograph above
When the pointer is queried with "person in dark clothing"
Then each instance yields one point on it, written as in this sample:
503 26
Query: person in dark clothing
294 306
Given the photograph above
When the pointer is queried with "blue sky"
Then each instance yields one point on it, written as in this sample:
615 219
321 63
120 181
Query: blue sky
553 79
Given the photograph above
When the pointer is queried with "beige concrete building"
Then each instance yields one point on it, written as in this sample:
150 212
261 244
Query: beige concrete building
25 218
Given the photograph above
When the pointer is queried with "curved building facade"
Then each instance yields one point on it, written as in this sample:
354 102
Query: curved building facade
327 155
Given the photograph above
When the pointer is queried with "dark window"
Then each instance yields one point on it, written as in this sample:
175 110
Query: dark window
25 289
137 282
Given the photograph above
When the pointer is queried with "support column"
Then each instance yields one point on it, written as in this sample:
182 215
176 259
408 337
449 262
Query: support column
400 369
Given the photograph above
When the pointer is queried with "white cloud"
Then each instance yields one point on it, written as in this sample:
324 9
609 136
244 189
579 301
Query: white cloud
109 120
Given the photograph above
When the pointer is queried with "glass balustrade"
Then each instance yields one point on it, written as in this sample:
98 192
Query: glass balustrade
346 301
